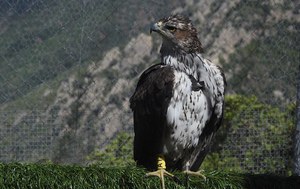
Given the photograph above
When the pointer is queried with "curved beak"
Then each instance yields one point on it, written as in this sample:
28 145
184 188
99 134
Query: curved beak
155 27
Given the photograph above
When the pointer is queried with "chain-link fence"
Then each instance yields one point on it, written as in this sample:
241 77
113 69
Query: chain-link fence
68 69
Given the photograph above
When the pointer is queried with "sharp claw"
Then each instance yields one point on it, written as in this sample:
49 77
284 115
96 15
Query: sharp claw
161 173
197 173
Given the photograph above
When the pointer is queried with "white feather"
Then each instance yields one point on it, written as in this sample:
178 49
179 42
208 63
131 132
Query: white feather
184 115
188 112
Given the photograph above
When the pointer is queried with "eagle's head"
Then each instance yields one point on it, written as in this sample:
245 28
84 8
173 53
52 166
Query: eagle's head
179 35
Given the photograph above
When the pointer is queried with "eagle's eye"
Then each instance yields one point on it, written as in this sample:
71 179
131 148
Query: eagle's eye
171 28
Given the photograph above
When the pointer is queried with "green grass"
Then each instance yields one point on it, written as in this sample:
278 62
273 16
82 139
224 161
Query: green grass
17 175
40 176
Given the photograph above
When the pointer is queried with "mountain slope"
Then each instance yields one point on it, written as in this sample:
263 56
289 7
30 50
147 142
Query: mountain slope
68 68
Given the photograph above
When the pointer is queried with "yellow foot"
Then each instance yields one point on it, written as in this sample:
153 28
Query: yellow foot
161 173
197 173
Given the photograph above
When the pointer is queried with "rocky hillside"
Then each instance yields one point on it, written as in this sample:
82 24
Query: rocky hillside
85 102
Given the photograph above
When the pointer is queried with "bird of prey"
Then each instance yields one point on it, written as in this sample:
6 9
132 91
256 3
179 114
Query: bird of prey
178 104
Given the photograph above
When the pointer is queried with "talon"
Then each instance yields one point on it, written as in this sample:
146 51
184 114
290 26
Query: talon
161 171
195 173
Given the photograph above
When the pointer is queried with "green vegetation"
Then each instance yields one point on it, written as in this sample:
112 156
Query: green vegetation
255 135
51 176
117 153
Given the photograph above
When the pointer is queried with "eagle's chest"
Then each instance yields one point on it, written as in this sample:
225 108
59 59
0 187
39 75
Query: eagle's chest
187 114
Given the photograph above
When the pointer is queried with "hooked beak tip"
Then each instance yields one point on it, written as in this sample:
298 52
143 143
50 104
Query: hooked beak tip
154 27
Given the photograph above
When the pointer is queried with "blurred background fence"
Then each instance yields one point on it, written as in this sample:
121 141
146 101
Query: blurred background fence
68 68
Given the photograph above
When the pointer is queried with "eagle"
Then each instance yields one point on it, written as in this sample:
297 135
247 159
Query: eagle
178 104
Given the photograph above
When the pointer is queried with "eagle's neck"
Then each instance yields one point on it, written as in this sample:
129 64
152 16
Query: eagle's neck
188 63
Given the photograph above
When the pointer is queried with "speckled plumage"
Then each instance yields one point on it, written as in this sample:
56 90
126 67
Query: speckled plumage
178 104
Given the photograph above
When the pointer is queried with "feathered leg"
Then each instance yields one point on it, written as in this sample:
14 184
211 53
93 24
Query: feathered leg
161 171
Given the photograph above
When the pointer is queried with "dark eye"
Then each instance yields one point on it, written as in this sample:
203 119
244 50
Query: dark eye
171 28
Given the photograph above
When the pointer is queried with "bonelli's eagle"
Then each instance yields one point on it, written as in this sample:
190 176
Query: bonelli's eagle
178 104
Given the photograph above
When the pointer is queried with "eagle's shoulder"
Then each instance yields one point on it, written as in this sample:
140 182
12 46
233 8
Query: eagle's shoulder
154 84
156 70
220 82
219 75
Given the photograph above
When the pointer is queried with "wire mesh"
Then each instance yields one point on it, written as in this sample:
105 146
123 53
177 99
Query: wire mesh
68 69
